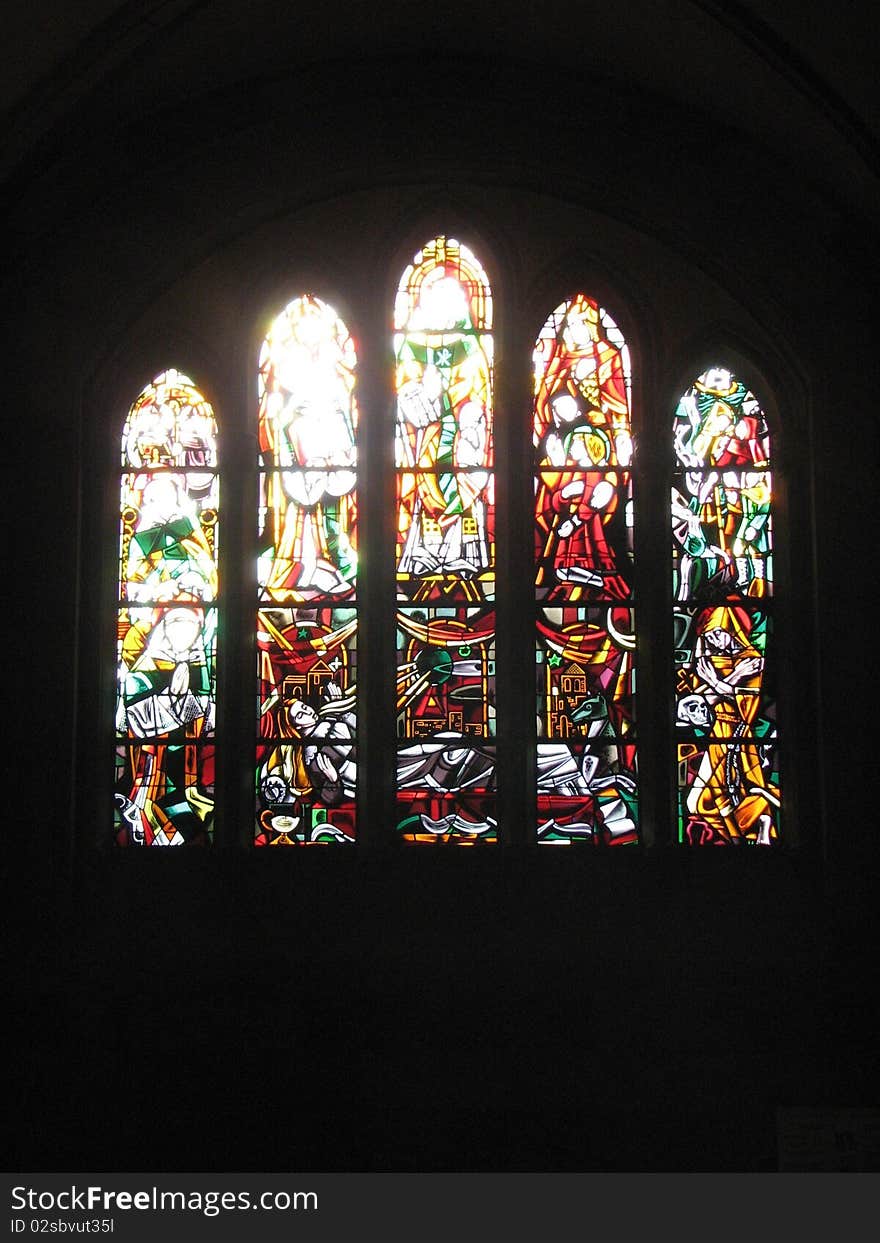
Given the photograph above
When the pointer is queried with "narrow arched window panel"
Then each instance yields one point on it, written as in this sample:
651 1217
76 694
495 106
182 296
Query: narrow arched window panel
167 617
585 625
306 766
728 778
446 724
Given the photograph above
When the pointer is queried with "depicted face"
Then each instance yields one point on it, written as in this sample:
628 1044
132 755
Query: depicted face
718 380
161 494
581 330
302 716
442 304
720 640
182 628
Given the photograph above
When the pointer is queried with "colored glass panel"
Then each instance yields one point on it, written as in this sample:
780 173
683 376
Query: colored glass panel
306 793
166 666
445 552
721 493
307 436
443 349
446 792
168 537
700 643
587 793
728 793
585 646
441 557
306 767
164 794
307 677
306 763
583 450
308 528
171 425
728 777
166 638
585 672
446 672
585 683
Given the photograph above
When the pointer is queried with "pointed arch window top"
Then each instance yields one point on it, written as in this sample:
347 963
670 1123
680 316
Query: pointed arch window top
444 289
720 423
582 377
308 409
583 452
169 494
170 425
722 492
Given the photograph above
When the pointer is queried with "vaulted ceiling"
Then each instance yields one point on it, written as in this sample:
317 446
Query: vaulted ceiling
801 77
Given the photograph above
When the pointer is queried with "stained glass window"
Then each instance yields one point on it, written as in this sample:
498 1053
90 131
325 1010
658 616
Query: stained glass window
585 645
445 556
728 779
306 766
584 632
167 617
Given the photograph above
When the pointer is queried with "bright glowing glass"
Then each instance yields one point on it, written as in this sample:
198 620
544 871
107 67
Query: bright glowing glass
728 778
306 766
166 636
585 647
444 354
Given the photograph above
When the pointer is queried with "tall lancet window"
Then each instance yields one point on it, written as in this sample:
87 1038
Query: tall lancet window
728 779
585 625
167 618
306 760
446 726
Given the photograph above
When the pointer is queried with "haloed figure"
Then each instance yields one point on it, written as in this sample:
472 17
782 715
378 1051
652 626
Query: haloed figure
443 385
583 449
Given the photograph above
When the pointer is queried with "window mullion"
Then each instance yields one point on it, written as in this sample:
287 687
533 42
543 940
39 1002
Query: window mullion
376 585
516 590
652 612
236 664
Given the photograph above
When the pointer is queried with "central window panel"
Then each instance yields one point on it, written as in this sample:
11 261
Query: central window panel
445 556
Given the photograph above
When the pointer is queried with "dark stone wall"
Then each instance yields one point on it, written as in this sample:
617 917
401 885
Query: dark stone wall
431 1013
